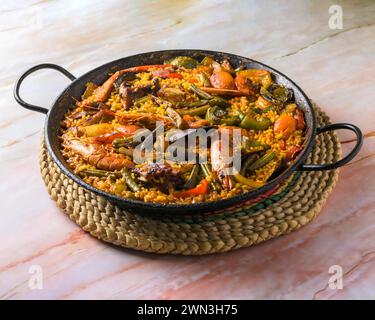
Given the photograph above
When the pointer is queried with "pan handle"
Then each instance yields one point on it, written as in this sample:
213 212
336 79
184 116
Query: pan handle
345 160
16 92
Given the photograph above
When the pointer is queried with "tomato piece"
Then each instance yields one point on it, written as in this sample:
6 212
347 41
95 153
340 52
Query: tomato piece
285 125
222 80
174 75
300 119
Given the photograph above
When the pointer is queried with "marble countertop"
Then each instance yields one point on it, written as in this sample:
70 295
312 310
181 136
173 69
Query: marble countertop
335 67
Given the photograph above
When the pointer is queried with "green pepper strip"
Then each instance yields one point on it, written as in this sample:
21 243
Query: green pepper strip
130 181
248 162
196 111
241 179
99 173
122 142
194 104
250 123
261 162
217 101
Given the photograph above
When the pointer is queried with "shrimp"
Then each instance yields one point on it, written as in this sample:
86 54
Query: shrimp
220 154
101 93
145 118
96 155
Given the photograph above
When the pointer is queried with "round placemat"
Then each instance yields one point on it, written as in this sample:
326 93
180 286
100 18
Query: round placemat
287 208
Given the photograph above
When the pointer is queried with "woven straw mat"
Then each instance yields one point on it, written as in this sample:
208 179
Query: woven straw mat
292 205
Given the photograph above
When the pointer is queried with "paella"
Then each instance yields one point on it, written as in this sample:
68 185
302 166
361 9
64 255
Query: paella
122 136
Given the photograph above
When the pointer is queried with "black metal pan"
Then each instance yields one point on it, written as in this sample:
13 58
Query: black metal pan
64 101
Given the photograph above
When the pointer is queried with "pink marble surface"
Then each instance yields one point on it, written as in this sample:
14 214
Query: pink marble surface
335 67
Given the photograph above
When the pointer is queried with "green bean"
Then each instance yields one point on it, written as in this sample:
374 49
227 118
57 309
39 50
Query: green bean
122 142
251 123
250 144
217 101
192 180
129 180
207 173
99 173
248 162
251 183
231 121
194 104
200 93
261 162
196 111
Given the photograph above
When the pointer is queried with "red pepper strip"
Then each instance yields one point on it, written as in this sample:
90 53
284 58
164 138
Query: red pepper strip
164 73
292 152
201 188
108 137
174 76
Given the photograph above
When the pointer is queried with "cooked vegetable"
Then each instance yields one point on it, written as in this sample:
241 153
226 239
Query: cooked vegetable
215 115
192 180
218 101
222 92
246 181
200 92
277 94
257 77
300 120
269 156
222 80
200 189
245 85
253 124
130 181
196 111
248 162
185 62
204 80
208 174
285 125
90 88
176 117
136 134
99 173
